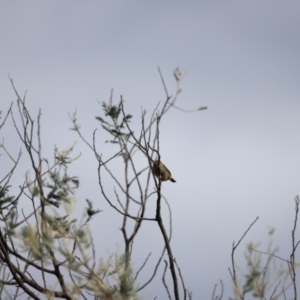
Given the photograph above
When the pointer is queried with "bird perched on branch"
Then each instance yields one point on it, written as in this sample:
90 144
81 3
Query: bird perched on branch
161 171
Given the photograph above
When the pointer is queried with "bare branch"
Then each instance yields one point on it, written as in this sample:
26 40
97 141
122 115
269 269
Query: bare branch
233 272
294 246
7 114
164 280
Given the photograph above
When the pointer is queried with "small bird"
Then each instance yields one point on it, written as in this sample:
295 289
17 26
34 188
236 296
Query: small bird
161 171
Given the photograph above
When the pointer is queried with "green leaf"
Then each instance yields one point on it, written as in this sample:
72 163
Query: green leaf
107 129
101 120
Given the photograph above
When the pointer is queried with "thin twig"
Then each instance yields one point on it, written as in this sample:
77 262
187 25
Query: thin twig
142 266
294 246
7 114
233 273
182 281
164 280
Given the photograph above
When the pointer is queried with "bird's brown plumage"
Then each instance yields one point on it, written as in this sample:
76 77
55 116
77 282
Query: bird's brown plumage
161 171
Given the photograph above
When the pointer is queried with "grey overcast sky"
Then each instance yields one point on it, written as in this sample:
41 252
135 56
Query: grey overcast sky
235 161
